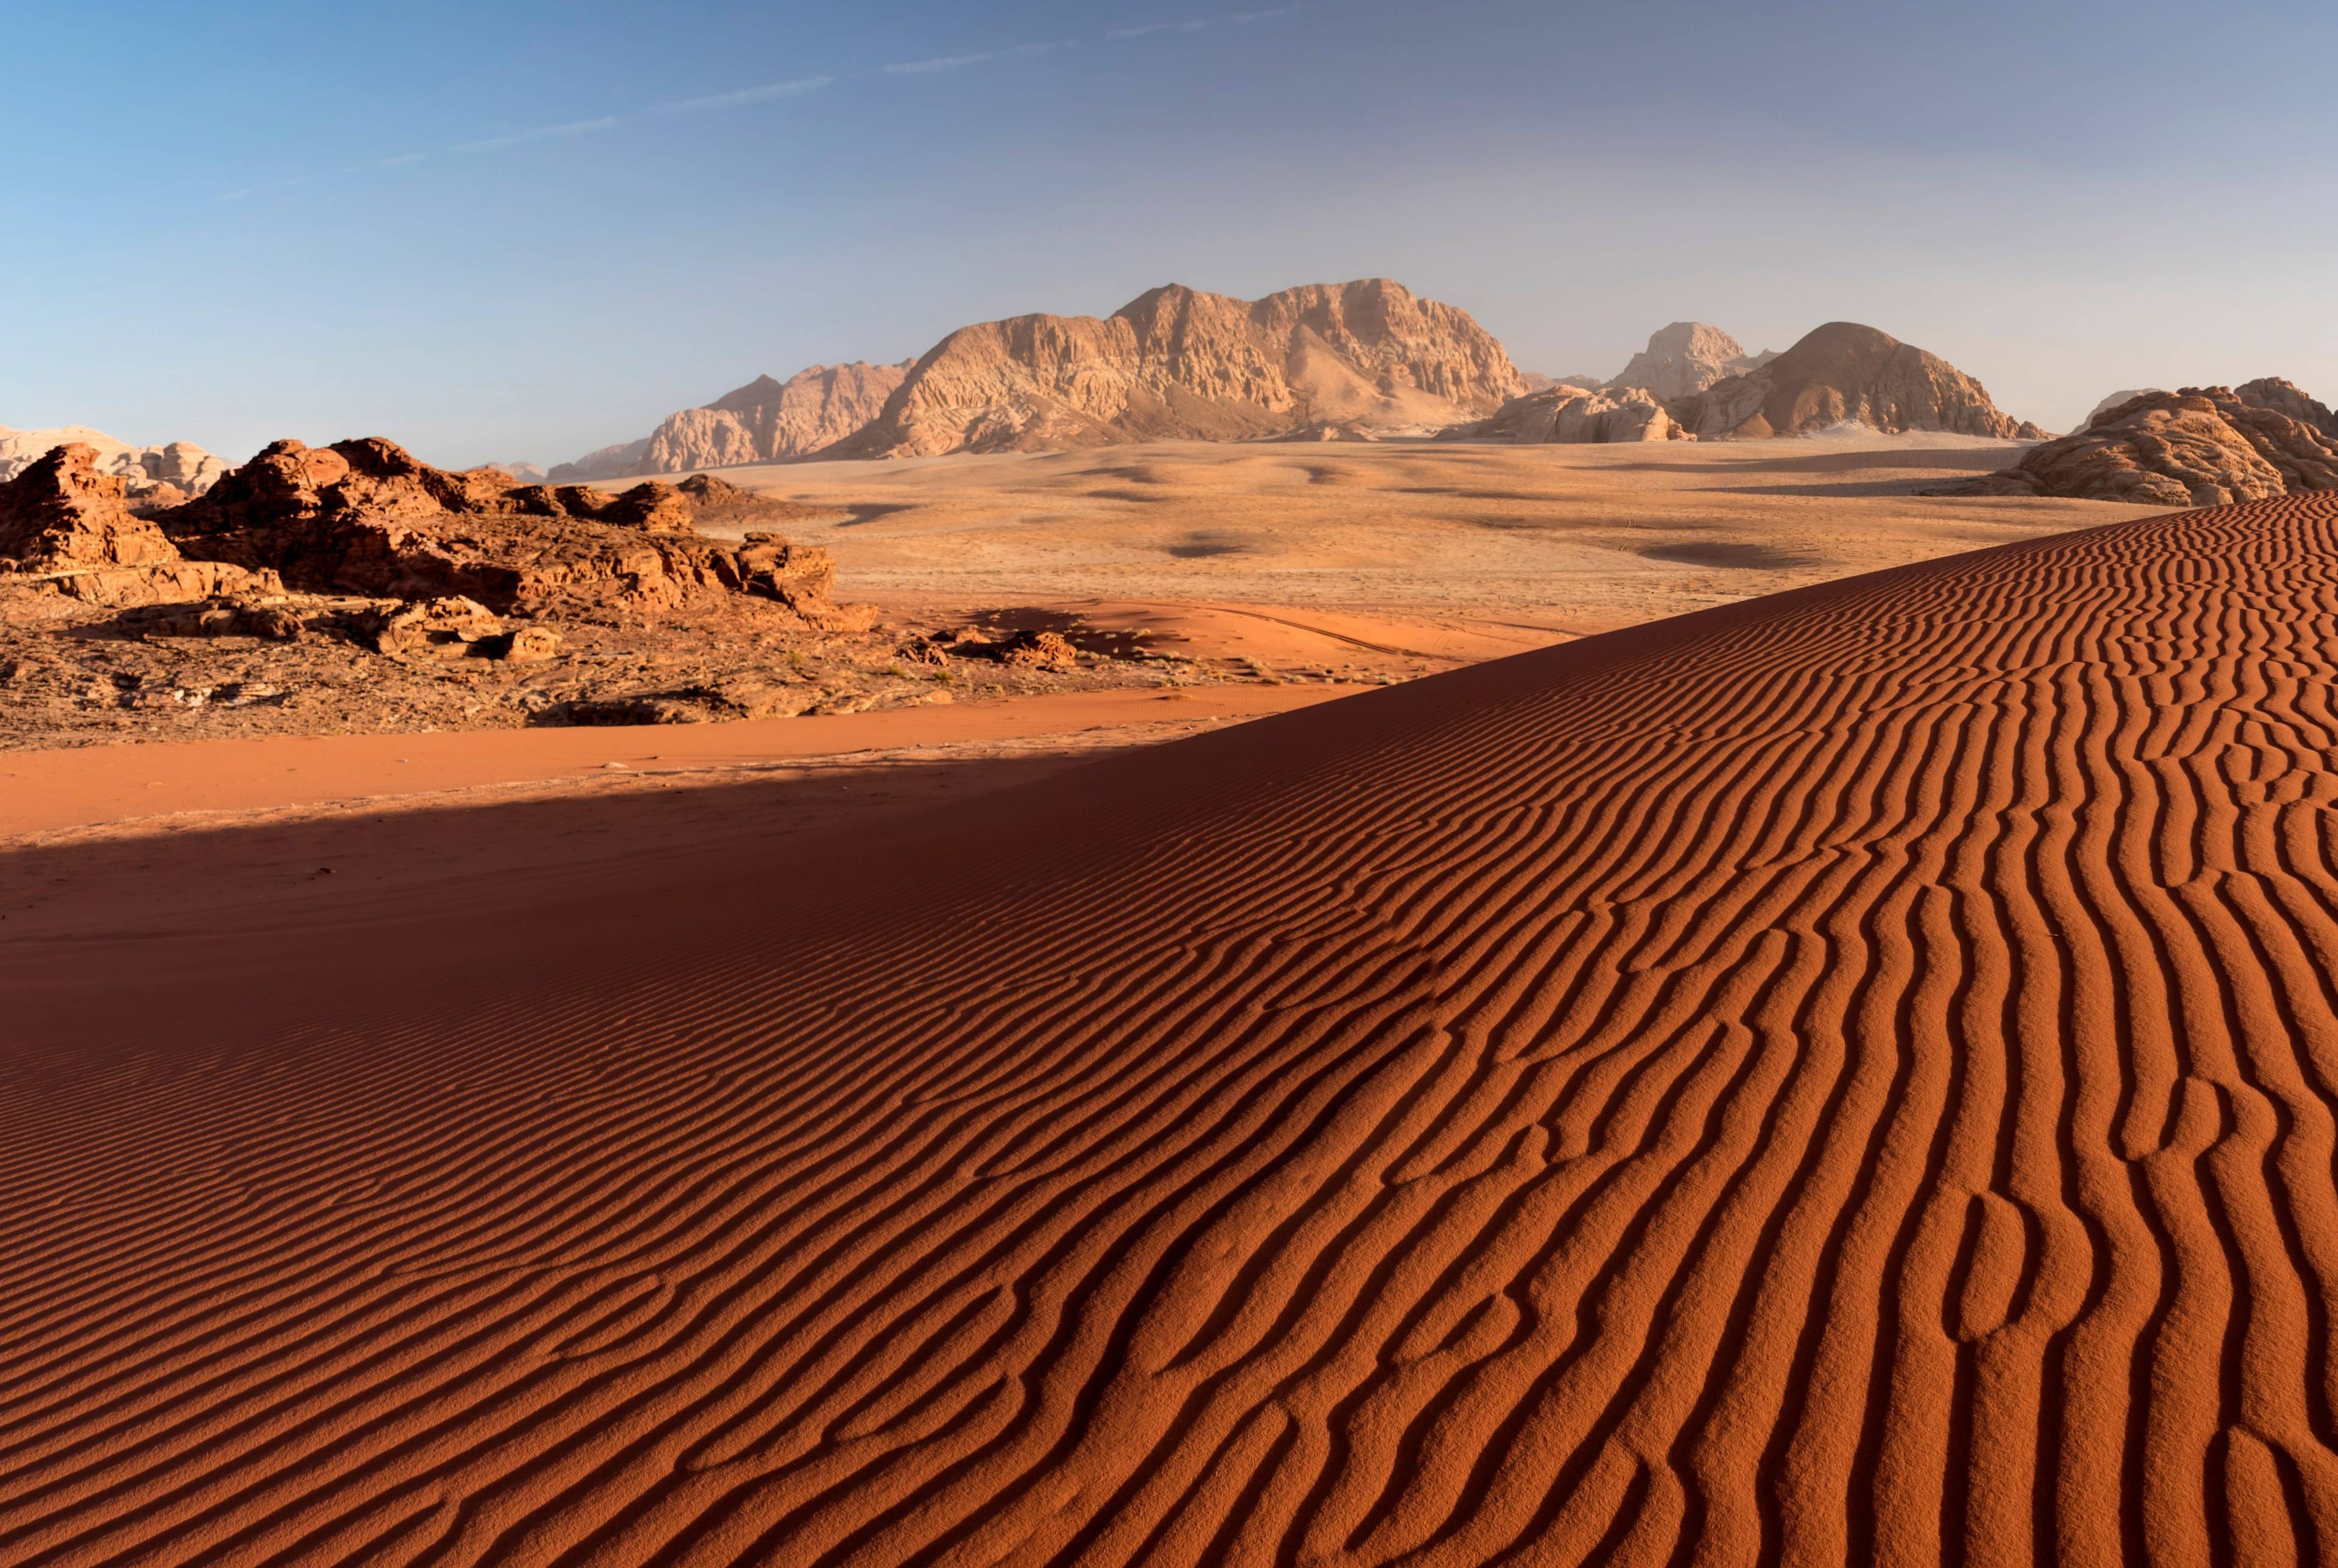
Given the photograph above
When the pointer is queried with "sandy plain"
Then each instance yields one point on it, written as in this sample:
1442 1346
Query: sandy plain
1498 540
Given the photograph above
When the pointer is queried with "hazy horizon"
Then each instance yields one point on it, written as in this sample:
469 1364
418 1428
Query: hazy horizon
524 234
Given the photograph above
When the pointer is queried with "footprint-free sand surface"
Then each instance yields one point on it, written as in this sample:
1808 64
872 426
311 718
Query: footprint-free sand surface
1845 1076
1482 539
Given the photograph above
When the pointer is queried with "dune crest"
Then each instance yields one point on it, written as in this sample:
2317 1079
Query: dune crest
1840 1077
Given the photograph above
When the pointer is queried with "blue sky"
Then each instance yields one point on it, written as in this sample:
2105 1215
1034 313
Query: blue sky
520 231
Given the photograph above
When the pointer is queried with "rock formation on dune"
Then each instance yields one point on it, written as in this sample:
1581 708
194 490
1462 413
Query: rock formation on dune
1573 414
762 422
364 517
1179 364
2200 447
1685 358
65 526
1844 372
182 464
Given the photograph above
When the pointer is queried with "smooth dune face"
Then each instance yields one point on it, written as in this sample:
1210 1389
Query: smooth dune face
1843 1077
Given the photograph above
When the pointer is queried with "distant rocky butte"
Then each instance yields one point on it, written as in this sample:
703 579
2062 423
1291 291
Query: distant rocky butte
1574 415
1368 357
1843 372
1685 358
143 469
764 421
2200 447
1537 382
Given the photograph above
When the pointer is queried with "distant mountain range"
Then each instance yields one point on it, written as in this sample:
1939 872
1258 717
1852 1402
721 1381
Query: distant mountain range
1359 360
1175 363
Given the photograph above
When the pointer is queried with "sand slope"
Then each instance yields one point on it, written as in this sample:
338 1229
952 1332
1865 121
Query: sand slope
1846 1076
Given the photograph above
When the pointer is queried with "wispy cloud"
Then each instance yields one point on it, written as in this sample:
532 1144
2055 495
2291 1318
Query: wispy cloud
745 96
541 133
1196 23
959 62
771 92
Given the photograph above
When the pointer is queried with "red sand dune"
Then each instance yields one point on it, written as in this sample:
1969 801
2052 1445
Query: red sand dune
1849 1076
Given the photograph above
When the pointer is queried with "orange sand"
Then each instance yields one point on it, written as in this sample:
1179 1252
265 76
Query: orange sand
1847 1076
44 791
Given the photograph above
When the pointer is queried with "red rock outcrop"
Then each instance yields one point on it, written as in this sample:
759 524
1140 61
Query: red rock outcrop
1840 373
1685 358
765 421
366 517
1179 364
66 525
1571 414
2200 447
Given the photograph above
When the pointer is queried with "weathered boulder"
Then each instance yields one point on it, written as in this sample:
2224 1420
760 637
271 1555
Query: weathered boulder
67 526
452 627
2200 447
61 512
225 615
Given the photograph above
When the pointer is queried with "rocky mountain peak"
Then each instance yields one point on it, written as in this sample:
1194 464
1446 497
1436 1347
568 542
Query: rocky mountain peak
1685 358
1845 372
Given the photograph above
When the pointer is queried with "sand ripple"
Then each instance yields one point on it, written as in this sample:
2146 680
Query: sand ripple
1850 1077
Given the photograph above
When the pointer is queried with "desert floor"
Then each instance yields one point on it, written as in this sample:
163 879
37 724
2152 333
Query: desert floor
1846 1076
1257 578
1448 550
